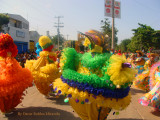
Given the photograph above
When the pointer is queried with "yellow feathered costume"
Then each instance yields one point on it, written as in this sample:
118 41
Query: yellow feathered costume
44 70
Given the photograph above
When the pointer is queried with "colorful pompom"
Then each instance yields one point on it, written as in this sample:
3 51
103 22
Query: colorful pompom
86 100
66 100
77 100
7 46
82 102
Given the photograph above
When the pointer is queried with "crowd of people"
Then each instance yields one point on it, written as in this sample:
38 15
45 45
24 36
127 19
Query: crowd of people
21 58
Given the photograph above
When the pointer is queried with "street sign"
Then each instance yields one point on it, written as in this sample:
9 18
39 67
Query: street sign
108 9
117 10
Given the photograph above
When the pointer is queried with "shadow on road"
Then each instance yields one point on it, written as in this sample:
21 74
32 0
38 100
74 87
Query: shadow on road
41 113
156 113
135 91
59 100
125 119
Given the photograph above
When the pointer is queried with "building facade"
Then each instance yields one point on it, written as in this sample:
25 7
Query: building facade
34 37
18 28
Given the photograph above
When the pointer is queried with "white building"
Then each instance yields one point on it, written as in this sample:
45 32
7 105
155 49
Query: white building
18 28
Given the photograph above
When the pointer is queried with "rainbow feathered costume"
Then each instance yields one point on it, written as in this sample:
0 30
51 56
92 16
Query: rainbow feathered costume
94 82
152 98
142 80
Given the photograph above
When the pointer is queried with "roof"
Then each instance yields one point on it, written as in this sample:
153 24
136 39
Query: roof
33 32
17 17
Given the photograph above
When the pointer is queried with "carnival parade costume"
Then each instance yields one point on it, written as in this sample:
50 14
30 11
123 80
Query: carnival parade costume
95 82
13 78
140 62
44 70
142 80
152 98
131 60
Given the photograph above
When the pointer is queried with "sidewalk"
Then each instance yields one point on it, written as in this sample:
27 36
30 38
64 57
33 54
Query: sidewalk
36 107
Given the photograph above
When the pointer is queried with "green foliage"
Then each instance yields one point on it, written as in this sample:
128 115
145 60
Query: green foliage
55 39
133 46
144 37
156 40
4 19
123 45
117 47
107 30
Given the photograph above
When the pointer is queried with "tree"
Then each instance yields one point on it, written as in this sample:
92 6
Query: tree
55 40
144 37
4 19
123 45
133 46
156 40
107 30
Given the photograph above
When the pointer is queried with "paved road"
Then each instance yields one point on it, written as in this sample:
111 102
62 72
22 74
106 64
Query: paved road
36 107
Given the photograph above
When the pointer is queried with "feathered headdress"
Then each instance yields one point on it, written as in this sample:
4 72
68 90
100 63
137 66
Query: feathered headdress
46 43
138 51
95 40
7 46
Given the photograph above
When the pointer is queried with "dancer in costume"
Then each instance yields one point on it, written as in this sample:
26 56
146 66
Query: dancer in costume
94 82
139 61
13 78
152 98
132 59
142 80
44 70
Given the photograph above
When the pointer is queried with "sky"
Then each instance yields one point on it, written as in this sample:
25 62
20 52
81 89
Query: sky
83 15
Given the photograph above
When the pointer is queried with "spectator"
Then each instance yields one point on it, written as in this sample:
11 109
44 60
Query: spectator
21 58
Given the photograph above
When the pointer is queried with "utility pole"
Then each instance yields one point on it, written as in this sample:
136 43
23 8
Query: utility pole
113 24
58 26
67 36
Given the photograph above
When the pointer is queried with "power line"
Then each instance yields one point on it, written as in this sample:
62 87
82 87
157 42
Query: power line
59 25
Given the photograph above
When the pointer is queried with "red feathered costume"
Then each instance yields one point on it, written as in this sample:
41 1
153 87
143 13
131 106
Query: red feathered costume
13 78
